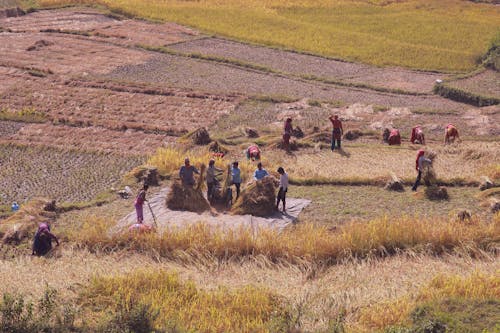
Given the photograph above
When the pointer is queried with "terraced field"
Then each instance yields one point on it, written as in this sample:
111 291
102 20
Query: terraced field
64 175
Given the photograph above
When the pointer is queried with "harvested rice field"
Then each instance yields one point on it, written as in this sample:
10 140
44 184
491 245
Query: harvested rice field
96 101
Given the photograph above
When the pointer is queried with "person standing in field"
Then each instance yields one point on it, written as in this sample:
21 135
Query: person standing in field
139 202
283 188
42 242
287 134
419 166
337 131
236 178
186 173
211 173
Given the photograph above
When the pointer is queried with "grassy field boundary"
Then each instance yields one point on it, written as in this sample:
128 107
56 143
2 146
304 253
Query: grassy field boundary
463 96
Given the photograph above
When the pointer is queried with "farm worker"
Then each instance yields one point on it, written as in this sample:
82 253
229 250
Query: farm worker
139 202
211 173
450 134
417 135
42 242
283 188
236 178
394 137
186 173
253 152
419 166
287 134
337 131
140 228
14 207
260 172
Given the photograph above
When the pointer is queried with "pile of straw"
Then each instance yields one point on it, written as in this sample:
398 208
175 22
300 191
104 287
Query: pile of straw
436 193
199 136
395 184
187 198
257 199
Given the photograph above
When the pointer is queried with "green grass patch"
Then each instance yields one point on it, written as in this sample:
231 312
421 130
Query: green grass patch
27 115
464 96
341 203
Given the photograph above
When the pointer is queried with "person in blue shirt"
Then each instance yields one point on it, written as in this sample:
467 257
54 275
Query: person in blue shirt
186 173
236 178
260 172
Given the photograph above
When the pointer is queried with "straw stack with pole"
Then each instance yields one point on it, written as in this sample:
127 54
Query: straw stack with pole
189 198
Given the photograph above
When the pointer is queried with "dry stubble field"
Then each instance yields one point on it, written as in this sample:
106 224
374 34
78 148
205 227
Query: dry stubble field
95 120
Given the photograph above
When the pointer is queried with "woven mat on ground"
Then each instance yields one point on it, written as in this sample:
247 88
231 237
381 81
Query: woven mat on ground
167 218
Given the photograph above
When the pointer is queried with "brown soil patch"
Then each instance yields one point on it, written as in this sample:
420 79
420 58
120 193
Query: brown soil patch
118 106
302 64
486 83
169 70
129 142
95 24
82 19
66 54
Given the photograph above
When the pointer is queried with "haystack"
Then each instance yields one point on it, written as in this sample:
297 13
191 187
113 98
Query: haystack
251 133
486 183
199 137
257 199
216 147
145 174
395 184
436 193
187 198
464 215
24 223
353 134
294 145
325 137
495 206
297 132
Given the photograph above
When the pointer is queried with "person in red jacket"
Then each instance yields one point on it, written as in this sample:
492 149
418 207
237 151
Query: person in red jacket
337 131
394 138
417 135
450 134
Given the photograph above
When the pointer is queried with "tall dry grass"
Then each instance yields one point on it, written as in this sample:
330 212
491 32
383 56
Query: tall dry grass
306 242
476 286
444 35
169 160
181 305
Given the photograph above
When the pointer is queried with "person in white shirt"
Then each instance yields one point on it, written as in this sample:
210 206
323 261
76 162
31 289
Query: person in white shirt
283 189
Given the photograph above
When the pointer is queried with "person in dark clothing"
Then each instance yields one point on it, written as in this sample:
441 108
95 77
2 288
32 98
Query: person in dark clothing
186 173
42 242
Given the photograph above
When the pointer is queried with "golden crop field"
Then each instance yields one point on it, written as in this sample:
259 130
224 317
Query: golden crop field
446 35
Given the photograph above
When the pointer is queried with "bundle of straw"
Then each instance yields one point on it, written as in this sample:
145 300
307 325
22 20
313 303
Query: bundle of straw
188 198
257 199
